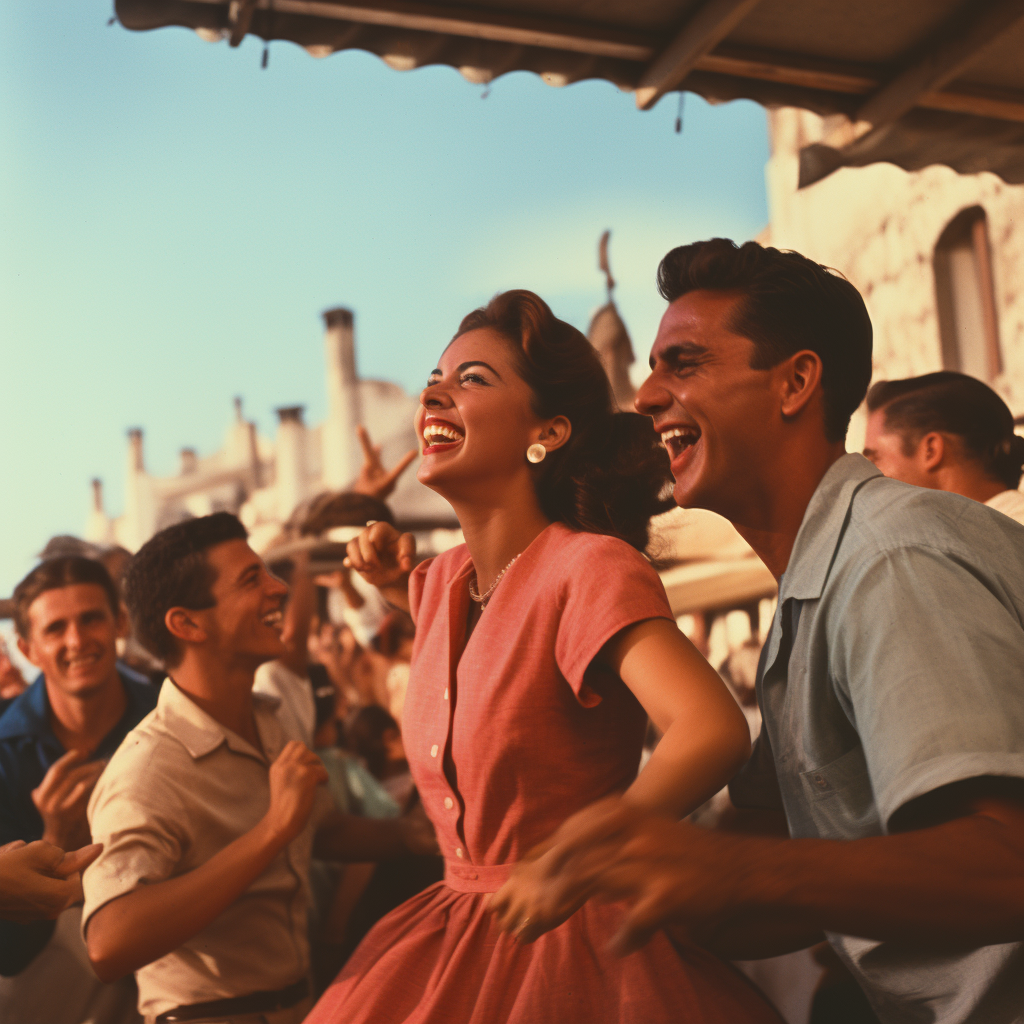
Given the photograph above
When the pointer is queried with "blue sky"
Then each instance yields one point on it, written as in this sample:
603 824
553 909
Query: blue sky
173 220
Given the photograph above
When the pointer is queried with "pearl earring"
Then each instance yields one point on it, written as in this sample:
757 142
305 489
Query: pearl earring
536 453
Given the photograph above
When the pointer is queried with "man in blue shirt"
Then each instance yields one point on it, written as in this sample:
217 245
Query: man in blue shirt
56 737
892 747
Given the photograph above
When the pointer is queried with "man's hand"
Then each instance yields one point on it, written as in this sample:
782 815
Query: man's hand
382 555
62 797
294 777
374 480
39 880
667 871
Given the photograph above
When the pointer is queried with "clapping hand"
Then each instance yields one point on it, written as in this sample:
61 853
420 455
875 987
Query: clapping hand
62 797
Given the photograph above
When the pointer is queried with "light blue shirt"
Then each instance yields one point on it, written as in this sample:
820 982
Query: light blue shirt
895 666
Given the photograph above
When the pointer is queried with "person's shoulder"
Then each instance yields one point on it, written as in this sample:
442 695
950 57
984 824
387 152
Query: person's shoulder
889 514
576 547
147 756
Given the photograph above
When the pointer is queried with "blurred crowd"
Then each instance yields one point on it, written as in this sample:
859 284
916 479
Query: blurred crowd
341 687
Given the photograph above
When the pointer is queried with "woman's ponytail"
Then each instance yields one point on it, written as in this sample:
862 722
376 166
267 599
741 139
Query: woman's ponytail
612 475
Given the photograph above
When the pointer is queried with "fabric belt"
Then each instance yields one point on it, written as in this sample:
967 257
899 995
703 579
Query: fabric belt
463 877
254 1002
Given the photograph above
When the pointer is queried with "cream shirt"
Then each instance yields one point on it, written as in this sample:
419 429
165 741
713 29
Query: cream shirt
178 790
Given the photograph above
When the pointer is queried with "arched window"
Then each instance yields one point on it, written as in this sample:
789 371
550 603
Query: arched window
965 297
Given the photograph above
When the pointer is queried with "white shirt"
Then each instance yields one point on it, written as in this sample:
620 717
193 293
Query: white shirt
1010 503
296 705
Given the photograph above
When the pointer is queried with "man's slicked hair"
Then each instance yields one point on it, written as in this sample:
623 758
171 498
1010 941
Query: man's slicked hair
170 571
953 403
54 573
790 304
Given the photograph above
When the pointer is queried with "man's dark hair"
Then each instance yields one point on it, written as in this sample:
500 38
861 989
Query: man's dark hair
54 573
171 570
953 403
790 304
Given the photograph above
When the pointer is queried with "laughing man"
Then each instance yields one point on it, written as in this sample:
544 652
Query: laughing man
890 685
209 812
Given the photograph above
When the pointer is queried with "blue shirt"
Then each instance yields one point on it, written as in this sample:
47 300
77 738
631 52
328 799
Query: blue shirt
28 748
894 667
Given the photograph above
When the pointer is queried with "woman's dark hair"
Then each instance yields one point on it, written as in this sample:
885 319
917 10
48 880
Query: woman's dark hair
610 476
171 570
54 573
790 304
953 403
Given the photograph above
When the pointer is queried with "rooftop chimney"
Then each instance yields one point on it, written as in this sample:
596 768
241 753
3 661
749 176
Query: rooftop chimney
290 462
97 495
135 460
344 412
189 461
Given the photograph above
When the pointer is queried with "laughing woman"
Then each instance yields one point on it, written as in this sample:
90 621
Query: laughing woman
542 645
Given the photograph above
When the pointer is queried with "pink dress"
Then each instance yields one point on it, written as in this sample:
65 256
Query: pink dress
507 735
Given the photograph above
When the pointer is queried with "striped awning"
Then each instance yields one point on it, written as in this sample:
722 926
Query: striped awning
914 83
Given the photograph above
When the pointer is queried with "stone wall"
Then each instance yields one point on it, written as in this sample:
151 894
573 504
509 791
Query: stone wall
879 226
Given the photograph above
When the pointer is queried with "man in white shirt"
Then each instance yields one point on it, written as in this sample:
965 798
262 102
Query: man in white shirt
949 432
209 811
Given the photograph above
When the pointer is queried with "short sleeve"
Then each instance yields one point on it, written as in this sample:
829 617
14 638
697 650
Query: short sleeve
607 586
929 653
417 583
137 825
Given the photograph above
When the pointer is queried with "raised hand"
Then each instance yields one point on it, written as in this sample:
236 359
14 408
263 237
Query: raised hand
382 555
39 880
294 777
62 797
374 480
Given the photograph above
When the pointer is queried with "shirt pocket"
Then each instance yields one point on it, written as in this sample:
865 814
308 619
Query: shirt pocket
839 798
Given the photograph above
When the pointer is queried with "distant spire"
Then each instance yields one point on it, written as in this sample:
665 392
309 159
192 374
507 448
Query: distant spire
603 264
238 408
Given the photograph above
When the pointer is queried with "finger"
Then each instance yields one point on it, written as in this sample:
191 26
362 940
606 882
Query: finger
17 844
80 791
368 550
57 795
639 924
402 466
58 770
365 443
353 555
406 551
78 860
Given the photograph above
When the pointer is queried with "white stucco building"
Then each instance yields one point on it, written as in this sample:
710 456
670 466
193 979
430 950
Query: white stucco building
937 256
263 480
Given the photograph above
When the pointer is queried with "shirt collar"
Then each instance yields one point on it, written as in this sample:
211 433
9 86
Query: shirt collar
822 527
200 734
28 715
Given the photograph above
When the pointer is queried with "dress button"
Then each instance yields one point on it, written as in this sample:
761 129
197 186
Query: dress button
449 802
433 750
446 693
821 781
458 852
